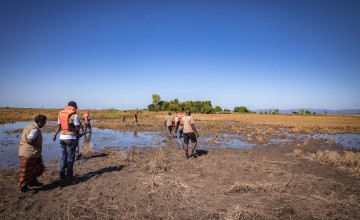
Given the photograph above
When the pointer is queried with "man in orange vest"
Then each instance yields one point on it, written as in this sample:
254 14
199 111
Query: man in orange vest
86 118
69 124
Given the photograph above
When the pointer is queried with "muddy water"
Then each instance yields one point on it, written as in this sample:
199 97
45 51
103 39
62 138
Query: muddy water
10 135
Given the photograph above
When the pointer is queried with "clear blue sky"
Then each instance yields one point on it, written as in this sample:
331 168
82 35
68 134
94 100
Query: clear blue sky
116 54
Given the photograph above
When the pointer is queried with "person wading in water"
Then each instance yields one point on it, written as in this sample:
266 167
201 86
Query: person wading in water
190 133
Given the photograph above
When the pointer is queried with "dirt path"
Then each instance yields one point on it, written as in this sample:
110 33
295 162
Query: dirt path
258 183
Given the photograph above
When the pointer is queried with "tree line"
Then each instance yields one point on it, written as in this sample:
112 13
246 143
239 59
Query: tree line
204 107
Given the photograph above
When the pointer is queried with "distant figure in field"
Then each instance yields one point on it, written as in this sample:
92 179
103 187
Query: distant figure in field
30 148
123 115
136 118
86 118
169 123
69 124
190 133
179 128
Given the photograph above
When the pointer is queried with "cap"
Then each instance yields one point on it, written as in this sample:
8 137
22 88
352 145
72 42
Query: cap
73 104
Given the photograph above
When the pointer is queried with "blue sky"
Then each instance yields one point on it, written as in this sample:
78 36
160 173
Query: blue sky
116 54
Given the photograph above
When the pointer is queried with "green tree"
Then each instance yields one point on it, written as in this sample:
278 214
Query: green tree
155 99
241 109
207 110
173 107
218 109
151 107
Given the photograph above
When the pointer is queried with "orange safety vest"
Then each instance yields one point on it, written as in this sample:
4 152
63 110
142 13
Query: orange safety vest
180 116
64 116
86 117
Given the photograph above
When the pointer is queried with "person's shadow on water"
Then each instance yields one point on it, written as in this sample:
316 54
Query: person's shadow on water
81 178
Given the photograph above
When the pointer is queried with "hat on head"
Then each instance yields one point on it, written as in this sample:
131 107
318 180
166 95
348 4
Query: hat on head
73 104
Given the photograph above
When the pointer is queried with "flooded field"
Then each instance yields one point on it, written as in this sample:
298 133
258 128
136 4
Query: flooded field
101 139
113 140
248 167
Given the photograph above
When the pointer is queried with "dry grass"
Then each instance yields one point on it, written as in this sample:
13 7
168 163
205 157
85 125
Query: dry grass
348 159
159 164
259 126
87 149
161 184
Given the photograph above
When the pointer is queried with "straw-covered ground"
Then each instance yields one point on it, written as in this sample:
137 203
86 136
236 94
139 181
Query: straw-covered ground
312 179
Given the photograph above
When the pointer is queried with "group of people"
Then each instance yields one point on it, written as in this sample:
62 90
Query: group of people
69 126
184 128
30 147
136 114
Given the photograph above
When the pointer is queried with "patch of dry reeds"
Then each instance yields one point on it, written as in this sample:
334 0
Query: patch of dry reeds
242 213
159 163
348 159
87 149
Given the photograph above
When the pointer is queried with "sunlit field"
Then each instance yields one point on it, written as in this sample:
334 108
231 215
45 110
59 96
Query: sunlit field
207 123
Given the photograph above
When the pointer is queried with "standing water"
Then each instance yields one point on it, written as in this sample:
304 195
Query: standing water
10 135
99 139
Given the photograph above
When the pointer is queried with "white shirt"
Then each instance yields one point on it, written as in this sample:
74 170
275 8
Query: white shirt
33 133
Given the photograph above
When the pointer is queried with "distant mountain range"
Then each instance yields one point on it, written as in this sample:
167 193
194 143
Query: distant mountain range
317 111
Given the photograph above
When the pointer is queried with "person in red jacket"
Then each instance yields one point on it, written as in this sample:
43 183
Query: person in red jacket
179 128
136 118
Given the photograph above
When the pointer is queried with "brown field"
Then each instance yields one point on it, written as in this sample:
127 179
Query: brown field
312 179
209 124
